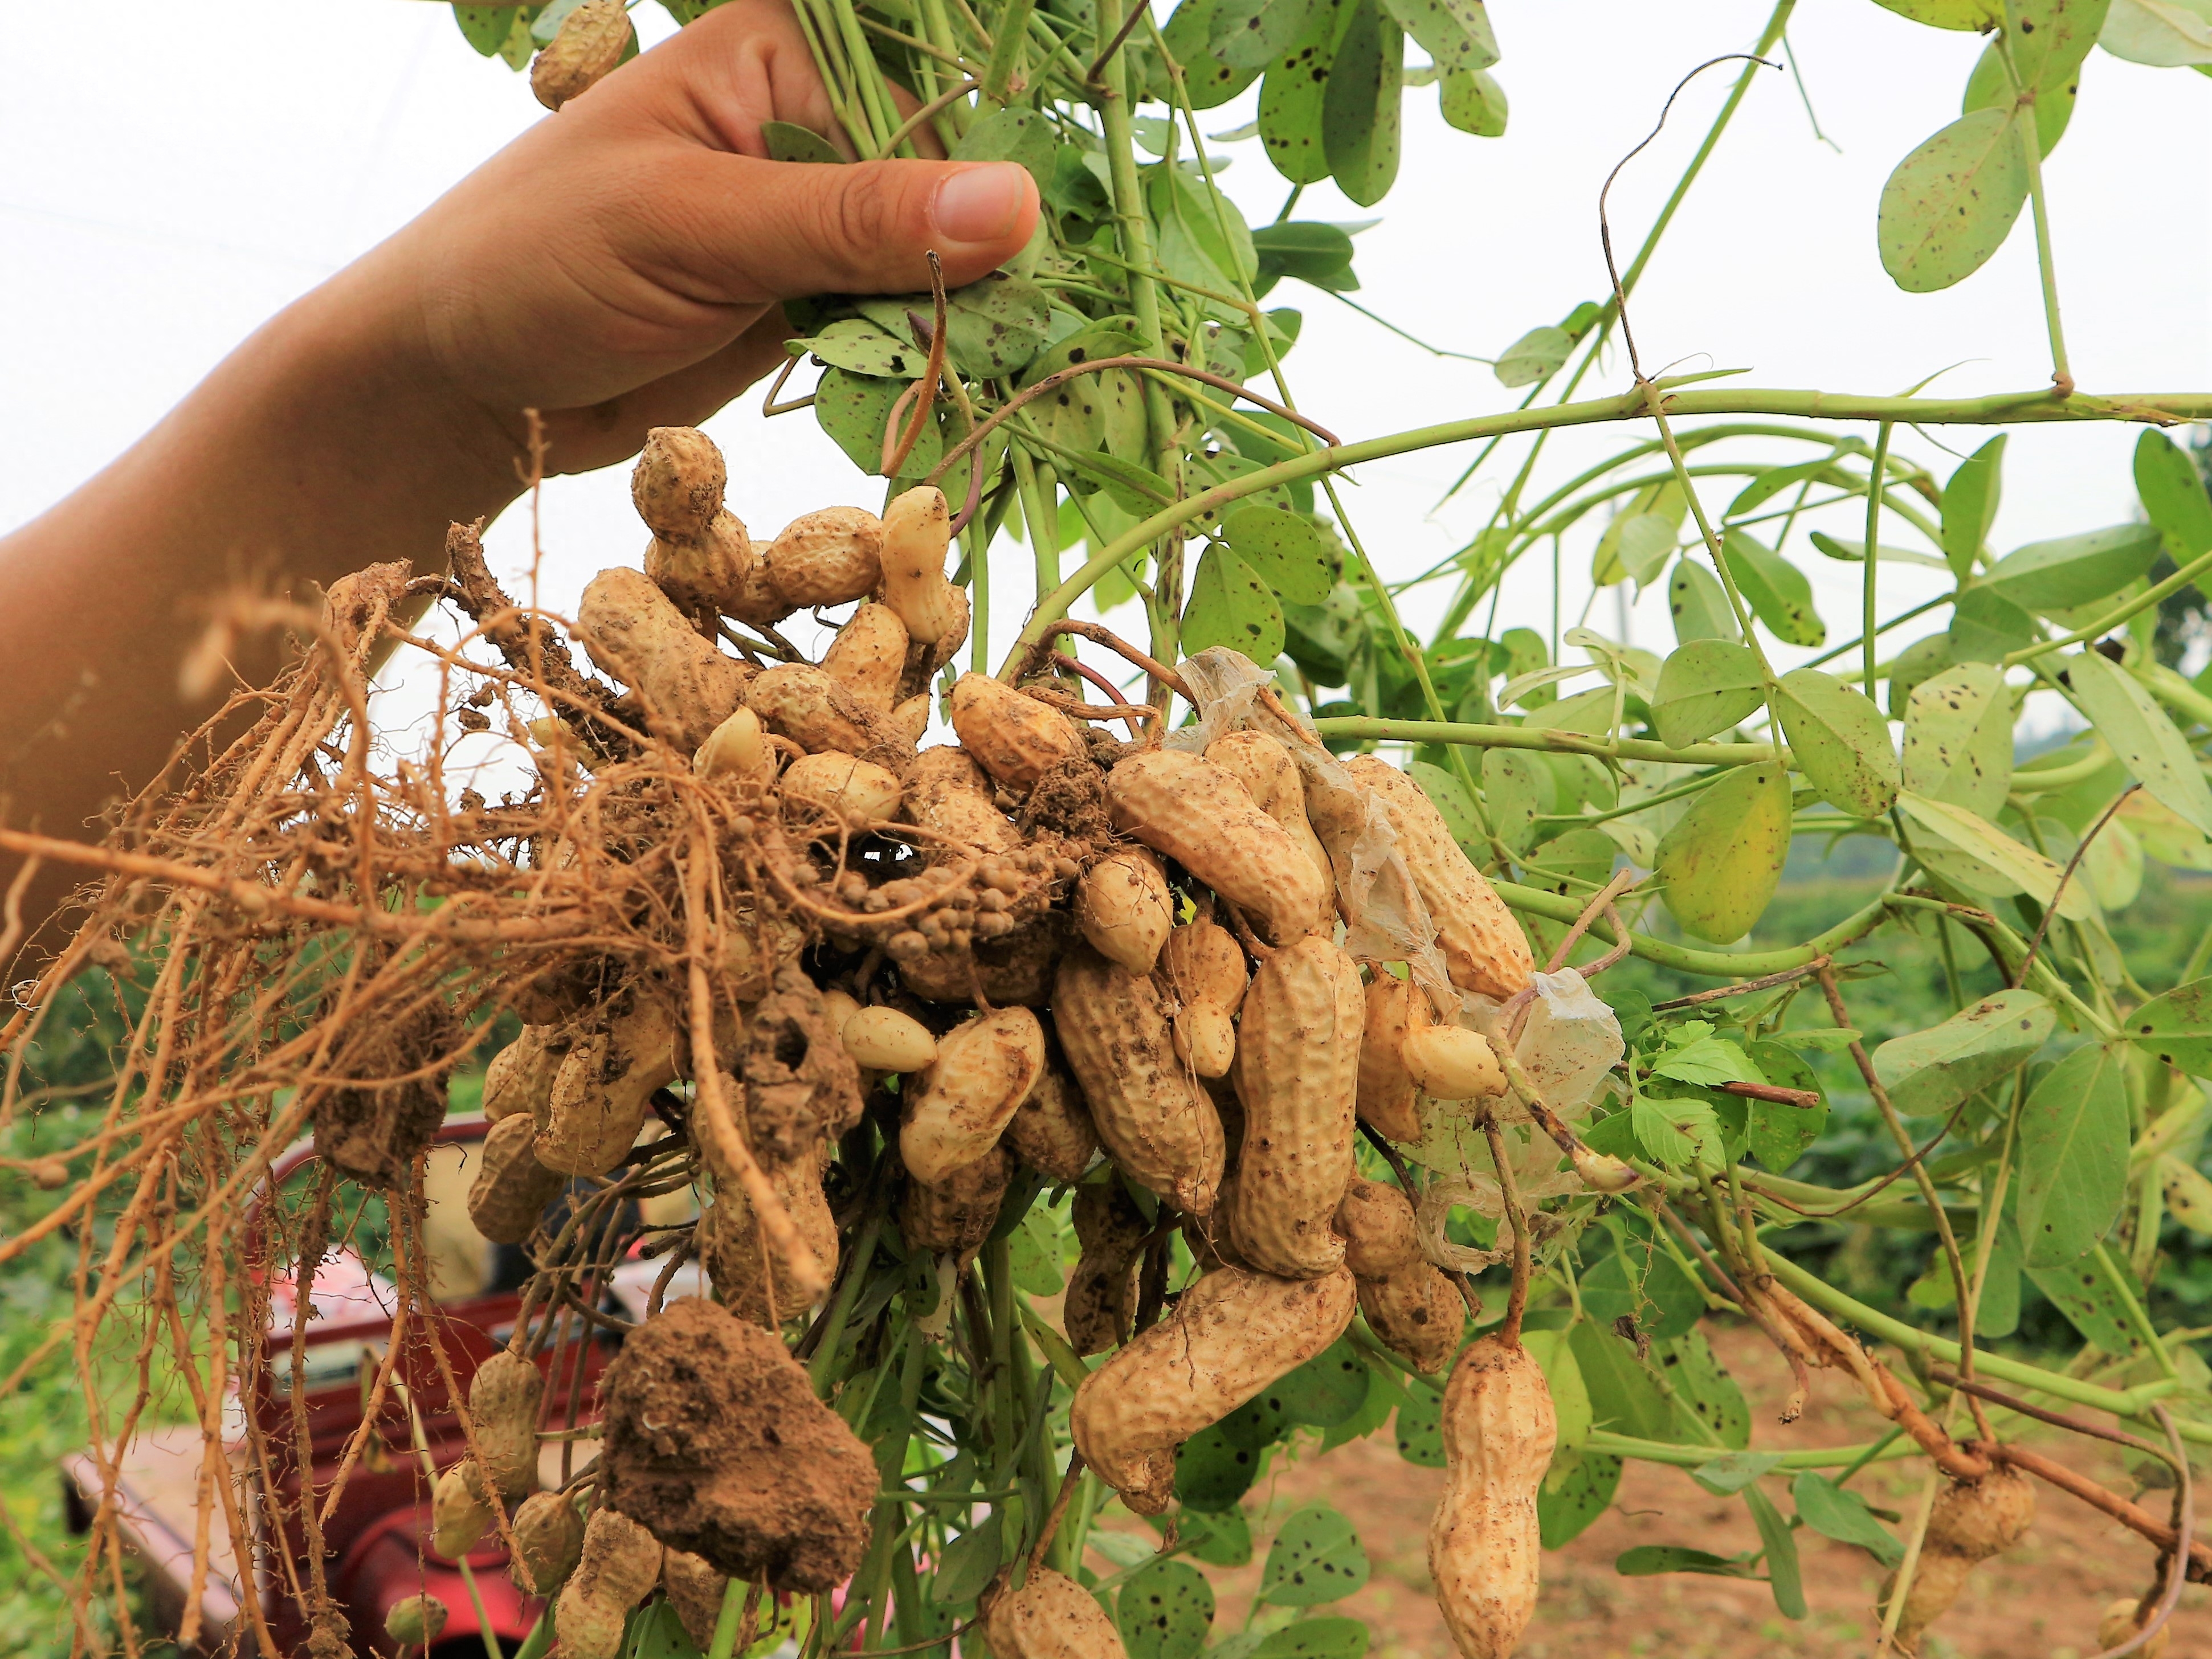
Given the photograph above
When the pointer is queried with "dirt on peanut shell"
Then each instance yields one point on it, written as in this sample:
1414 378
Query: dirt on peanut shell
2040 1600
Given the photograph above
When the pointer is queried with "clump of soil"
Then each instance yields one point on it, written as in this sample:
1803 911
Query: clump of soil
373 1131
716 1443
801 1085
1069 800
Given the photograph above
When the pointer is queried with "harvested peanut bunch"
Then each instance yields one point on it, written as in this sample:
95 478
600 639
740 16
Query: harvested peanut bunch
1499 1430
1970 1522
1407 1301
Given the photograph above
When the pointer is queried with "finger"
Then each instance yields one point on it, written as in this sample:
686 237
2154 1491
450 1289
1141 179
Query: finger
743 231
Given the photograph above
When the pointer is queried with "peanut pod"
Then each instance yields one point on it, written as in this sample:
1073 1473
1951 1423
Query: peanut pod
520 1080
1102 1289
1051 1132
954 1217
1049 1616
868 659
686 687
948 793
1498 1431
1264 766
589 43
1390 1099
830 556
983 1071
729 1241
1013 737
503 1396
1205 968
549 1541
1199 815
836 789
511 1187
605 1090
917 532
1408 1302
1123 906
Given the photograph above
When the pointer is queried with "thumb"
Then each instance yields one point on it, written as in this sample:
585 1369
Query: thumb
795 229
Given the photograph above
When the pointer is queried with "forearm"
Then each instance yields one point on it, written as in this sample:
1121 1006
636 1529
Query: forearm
326 441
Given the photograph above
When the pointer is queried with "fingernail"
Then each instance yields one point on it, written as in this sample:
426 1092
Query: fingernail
980 203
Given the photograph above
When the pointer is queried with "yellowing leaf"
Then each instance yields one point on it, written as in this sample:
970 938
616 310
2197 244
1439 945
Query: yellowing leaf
1723 858
1965 847
1839 741
1957 738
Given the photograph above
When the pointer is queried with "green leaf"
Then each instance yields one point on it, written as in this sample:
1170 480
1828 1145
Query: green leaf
1536 356
1578 1488
1135 489
1986 626
1623 1397
1839 1513
1920 661
2085 1296
1222 1539
1201 238
1648 1560
656 1631
1764 486
1315 1638
1455 33
2163 33
1703 1389
1473 102
1950 205
2177 1027
1250 34
1776 591
1450 797
786 141
861 348
1165 1611
1784 1578
1309 250
1292 99
1211 1473
1677 1132
969 1563
1570 1401
2073 570
1728 1475
1229 605
1706 686
2073 1141
1957 738
2173 495
1327 1388
1839 740
1778 1134
1990 87
1419 1428
1034 1248
1209 81
1642 542
2139 732
1931 1072
1723 858
1517 788
486 27
1287 551
1012 135
1708 1060
1316 1557
1965 847
1102 410
995 327
855 409
1853 552
1359 109
1260 1421
1699 604
1975 15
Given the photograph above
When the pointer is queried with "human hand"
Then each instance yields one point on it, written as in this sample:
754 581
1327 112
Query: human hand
619 266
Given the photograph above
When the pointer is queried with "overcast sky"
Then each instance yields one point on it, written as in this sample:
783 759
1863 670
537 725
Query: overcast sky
178 172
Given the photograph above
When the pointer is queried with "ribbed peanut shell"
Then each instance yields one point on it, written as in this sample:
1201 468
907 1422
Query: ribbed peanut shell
1981 1518
955 1217
1417 1314
1158 1124
1204 963
1483 946
1102 1289
634 632
1013 737
1050 1616
868 657
503 1396
1390 1099
948 793
511 1189
694 1590
620 1566
818 713
1051 1131
917 532
1297 1075
1937 1579
588 46
832 556
678 482
1124 906
1380 1237
461 1505
962 1103
1232 1333
1199 815
1498 1431
730 1243
519 1082
716 570
548 1538
829 788
1263 765
604 1089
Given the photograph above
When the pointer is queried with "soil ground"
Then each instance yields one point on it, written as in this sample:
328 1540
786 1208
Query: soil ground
2040 1601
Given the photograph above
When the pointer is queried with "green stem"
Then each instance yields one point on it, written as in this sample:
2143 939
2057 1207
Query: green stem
1043 521
1693 1457
2133 1308
2031 143
727 1620
1870 624
1013 25
1716 964
821 1367
1540 738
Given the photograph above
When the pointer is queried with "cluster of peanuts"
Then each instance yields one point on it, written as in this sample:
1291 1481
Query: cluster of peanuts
1114 963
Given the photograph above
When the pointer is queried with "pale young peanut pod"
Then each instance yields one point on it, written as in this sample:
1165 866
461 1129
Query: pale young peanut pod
605 1090
1156 1123
885 1040
1232 1334
511 1189
961 1105
910 720
584 51
1297 1075
636 633
549 1541
461 1506
1013 737
1124 906
2119 1624
955 1217
1199 815
519 1082
678 483
1499 1430
1100 1304
503 1396
1205 968
730 1243
1264 766
799 702
1483 946
1408 1302
415 1622
1970 1522
1390 1099
829 556
840 789
1450 1062
737 749
917 532
1050 1616
948 793
868 657
838 1005
621 1563
1052 1131
694 1590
